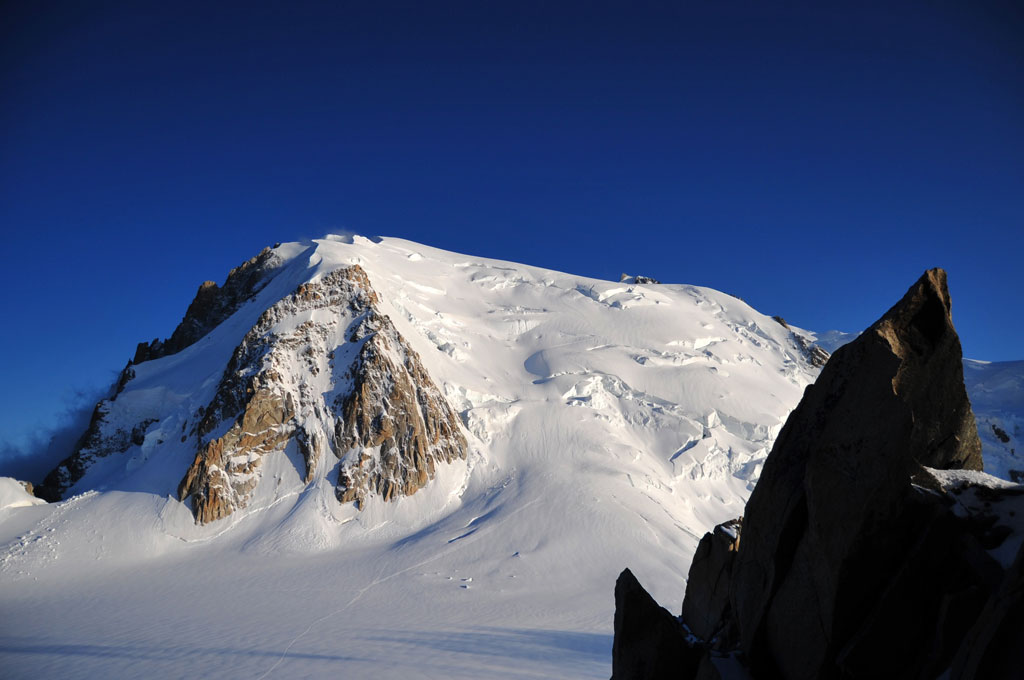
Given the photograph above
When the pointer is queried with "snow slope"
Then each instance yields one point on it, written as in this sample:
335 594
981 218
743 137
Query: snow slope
610 425
996 389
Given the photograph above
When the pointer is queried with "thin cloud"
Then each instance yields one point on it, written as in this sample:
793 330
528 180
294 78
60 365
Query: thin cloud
47 446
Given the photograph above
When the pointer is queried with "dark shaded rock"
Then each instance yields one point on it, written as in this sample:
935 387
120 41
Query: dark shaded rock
99 440
626 278
127 374
706 607
832 516
650 643
706 670
928 603
213 304
994 647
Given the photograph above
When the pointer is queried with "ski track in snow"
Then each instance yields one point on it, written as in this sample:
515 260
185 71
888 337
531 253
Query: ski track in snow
284 654
378 580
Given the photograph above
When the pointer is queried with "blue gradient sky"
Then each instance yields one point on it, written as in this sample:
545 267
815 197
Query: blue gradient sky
813 160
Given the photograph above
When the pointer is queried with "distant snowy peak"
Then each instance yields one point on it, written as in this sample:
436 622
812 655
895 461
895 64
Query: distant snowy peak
996 389
830 341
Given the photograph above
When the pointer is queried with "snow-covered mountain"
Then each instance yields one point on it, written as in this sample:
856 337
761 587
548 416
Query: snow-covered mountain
308 349
374 457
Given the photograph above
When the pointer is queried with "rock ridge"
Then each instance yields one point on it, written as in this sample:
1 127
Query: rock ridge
213 304
344 381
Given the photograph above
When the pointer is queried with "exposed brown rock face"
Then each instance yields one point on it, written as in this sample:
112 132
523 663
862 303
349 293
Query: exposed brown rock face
344 379
321 370
395 406
213 304
224 472
814 354
856 561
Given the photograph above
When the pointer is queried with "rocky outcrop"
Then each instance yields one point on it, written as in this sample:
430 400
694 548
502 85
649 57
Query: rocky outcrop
341 379
213 304
816 356
101 439
225 471
831 514
395 425
15 493
858 559
321 372
649 642
707 610
639 279
994 647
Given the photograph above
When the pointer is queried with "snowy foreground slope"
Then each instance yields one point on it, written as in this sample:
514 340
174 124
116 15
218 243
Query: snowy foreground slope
608 424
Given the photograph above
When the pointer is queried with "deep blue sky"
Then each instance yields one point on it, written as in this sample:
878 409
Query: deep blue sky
813 160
